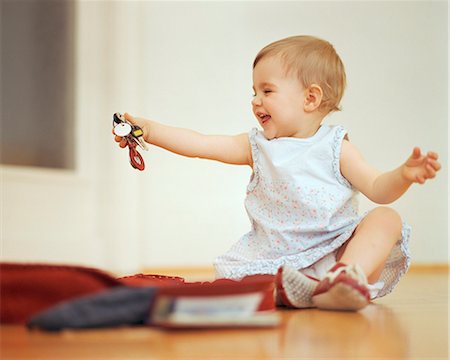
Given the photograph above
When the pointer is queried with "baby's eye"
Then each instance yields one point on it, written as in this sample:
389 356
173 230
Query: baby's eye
267 91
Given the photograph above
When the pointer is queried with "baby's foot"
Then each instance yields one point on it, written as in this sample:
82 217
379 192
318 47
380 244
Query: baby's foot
294 289
344 287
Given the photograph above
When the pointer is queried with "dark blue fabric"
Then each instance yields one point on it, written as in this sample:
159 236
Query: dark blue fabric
118 306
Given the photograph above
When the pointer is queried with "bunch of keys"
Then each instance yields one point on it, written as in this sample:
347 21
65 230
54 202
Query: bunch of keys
133 135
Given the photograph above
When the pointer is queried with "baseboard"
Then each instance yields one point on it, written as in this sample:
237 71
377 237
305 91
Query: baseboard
208 271
429 267
189 272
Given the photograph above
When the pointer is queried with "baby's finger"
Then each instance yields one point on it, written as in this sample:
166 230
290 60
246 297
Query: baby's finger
433 155
431 173
123 143
129 118
434 164
416 153
420 179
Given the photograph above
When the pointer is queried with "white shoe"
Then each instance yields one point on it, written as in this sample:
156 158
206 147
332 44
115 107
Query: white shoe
344 287
295 289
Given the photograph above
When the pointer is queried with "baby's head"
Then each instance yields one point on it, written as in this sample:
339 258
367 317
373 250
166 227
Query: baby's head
312 61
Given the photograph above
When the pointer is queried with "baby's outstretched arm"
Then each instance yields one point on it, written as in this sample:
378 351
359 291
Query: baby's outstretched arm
384 188
227 149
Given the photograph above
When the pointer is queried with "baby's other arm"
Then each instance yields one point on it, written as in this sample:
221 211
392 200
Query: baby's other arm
227 149
384 188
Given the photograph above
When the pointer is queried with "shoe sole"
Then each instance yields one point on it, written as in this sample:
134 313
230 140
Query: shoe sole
341 296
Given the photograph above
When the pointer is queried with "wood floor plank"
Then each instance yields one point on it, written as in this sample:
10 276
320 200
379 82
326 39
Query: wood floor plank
412 322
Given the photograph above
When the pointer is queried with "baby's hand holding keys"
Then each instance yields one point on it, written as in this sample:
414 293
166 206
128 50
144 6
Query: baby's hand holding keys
131 135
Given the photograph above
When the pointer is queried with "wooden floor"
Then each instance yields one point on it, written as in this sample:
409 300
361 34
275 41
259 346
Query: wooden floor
412 322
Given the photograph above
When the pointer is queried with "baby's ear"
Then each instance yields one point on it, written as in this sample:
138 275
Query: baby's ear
313 98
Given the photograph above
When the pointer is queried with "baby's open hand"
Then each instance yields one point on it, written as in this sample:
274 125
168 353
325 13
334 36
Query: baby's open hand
419 167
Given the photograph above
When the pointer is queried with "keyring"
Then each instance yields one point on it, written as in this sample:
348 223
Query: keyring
134 136
136 159
122 129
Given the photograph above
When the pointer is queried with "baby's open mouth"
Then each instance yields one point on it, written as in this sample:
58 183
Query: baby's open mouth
264 118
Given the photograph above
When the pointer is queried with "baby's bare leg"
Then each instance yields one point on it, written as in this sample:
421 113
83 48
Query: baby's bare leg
372 242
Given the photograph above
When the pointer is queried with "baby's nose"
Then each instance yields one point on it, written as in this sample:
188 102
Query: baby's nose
256 101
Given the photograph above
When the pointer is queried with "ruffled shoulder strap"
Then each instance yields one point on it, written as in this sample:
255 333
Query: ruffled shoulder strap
339 134
256 159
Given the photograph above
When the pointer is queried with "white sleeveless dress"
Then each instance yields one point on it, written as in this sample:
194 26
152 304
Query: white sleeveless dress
301 209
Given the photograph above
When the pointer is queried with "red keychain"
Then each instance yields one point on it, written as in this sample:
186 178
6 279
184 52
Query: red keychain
133 134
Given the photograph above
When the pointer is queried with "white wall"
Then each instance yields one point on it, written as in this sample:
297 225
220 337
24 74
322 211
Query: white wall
189 64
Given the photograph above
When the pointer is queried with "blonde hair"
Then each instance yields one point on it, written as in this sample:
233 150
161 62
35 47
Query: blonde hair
313 61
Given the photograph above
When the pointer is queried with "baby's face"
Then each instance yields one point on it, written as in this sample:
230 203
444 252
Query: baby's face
278 102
